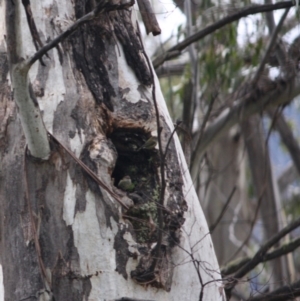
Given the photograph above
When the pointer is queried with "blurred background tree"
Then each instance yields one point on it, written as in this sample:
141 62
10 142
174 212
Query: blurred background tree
233 90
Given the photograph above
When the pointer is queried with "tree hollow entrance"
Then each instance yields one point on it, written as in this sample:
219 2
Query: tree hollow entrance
141 166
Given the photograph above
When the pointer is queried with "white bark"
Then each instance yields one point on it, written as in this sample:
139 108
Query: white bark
30 115
93 238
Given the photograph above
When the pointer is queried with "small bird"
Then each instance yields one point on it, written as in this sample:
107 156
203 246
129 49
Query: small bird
126 184
149 144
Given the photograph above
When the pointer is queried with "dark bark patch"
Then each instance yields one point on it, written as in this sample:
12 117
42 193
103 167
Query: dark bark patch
80 198
139 111
132 46
90 51
69 285
20 266
79 119
85 157
122 253
161 277
3 66
7 105
123 92
32 96
142 166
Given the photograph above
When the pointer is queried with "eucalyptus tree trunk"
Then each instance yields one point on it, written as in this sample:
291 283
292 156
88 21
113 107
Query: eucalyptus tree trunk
73 125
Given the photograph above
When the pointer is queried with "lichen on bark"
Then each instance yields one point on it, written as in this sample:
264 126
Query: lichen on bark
128 124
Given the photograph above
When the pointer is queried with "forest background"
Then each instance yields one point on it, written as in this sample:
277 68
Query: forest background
77 125
252 162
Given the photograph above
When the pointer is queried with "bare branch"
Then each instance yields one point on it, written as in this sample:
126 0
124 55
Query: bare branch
270 18
261 253
284 249
203 125
286 292
250 10
90 173
265 247
148 17
269 48
276 93
170 70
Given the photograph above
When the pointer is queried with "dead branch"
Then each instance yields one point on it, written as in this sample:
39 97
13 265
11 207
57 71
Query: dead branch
44 276
250 10
275 93
261 253
148 17
170 70
284 249
269 48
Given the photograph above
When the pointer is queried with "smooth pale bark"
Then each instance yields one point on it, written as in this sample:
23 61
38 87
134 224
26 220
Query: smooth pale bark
94 103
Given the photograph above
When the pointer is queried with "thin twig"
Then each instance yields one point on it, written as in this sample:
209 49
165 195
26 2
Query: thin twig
214 225
250 10
277 112
32 27
169 141
260 254
269 48
90 172
103 6
203 125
